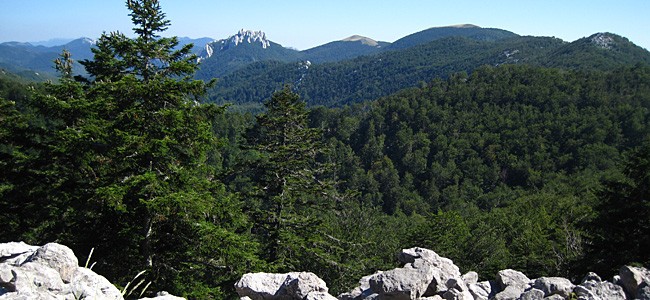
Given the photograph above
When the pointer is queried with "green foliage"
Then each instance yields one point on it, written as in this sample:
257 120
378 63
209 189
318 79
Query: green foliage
623 226
121 167
289 183
373 76
541 170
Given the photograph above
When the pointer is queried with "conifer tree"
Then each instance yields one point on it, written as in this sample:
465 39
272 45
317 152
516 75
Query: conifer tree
290 183
131 144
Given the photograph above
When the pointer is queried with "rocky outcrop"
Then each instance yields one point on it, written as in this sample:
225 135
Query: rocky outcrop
51 272
288 286
427 276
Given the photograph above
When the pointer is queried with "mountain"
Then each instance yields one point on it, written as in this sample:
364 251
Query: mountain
348 48
465 30
246 47
374 76
37 62
52 42
199 44
600 50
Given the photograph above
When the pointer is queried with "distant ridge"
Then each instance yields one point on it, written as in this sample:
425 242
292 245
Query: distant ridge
460 26
462 30
364 40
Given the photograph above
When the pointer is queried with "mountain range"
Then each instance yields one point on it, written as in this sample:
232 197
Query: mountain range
223 56
417 59
250 66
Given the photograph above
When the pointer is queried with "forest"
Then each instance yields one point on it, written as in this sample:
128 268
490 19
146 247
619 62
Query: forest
544 170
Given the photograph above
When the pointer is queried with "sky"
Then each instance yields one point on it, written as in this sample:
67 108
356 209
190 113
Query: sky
304 24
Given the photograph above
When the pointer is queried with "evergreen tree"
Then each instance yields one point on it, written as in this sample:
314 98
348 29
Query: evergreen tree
128 150
289 183
623 225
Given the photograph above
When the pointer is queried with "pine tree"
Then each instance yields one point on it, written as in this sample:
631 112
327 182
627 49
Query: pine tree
290 184
131 145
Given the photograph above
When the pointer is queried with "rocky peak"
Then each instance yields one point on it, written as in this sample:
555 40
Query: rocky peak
603 40
242 37
246 36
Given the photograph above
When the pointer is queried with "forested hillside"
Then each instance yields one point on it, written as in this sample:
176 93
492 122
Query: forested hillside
373 76
523 166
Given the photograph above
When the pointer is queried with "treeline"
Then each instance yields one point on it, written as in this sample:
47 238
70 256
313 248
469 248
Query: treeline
541 170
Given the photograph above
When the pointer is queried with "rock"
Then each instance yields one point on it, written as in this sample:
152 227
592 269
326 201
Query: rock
86 284
532 294
470 277
164 296
511 292
36 278
591 276
511 283
482 290
402 283
643 293
319 296
16 253
303 284
454 294
51 272
59 258
443 268
295 285
633 278
555 297
261 285
511 277
457 284
599 290
554 286
362 291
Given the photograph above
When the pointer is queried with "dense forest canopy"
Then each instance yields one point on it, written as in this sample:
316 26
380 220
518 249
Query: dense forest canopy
540 169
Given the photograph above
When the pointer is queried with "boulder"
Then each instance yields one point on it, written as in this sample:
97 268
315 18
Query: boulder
634 279
643 293
454 294
443 268
262 285
554 286
58 257
591 276
319 296
303 284
511 277
362 291
50 272
16 253
511 284
483 290
405 283
532 294
470 277
86 284
294 285
511 292
599 290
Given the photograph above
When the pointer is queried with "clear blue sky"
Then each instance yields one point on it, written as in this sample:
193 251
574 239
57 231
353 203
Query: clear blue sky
304 24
